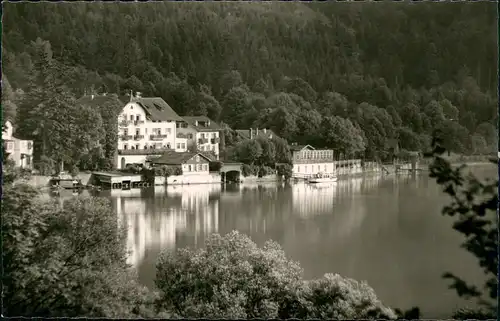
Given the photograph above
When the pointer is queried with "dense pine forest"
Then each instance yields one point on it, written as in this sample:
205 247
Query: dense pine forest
361 78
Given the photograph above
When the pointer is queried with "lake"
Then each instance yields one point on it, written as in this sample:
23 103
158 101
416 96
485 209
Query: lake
386 230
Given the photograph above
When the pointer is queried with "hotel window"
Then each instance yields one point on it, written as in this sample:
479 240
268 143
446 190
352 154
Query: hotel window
214 135
138 117
132 147
132 117
136 146
190 168
178 146
183 145
203 135
190 136
197 158
125 146
213 148
137 132
145 146
125 132
146 131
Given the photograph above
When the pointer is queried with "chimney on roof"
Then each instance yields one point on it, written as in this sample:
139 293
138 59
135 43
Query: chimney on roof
257 132
138 94
92 97
208 123
265 130
251 133
196 123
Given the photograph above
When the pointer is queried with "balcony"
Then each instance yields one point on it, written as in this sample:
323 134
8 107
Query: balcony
138 137
138 122
123 123
157 137
126 137
152 151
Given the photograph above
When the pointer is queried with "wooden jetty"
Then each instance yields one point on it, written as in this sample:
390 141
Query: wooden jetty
118 180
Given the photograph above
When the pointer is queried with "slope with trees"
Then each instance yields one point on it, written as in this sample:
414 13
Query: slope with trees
396 71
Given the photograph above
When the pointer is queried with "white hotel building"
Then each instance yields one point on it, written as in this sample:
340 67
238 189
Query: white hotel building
149 126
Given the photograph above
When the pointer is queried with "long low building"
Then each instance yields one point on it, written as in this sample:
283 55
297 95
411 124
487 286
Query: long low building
308 161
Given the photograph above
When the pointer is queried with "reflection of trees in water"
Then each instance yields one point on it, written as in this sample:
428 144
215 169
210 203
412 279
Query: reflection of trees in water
158 217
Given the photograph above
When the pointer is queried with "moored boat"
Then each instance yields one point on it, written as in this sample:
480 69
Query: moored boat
321 178
65 181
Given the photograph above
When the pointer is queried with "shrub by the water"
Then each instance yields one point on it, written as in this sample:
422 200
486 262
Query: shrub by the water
66 261
233 278
285 170
248 170
265 170
215 166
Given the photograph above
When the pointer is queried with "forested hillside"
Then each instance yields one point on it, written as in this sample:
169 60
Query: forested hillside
355 77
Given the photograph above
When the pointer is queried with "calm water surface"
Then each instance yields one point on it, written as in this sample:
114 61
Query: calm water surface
385 230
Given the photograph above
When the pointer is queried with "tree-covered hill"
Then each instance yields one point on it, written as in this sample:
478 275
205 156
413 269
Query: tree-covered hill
377 72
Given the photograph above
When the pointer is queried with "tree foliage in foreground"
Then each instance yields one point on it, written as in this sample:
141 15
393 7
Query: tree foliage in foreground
66 261
233 278
474 205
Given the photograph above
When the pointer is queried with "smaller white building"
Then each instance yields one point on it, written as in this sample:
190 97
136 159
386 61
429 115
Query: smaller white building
202 132
18 150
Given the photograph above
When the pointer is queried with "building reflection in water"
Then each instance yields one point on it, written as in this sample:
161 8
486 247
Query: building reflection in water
333 211
157 218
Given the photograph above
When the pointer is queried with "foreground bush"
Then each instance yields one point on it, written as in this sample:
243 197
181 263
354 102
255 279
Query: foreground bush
66 261
233 278
474 206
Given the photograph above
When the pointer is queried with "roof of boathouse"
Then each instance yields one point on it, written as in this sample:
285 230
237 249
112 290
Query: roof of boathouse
176 158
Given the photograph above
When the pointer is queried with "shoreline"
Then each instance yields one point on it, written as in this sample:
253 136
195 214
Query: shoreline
41 182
